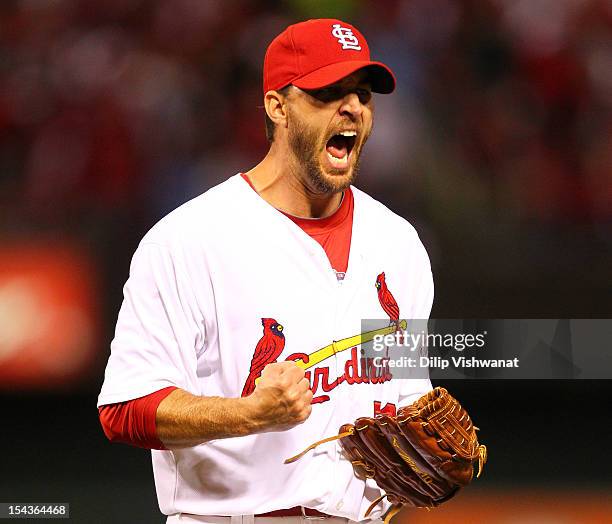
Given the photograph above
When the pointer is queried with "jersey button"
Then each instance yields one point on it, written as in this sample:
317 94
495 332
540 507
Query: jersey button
339 505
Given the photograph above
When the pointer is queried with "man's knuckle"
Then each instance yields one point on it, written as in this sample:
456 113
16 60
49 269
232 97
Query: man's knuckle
269 369
291 397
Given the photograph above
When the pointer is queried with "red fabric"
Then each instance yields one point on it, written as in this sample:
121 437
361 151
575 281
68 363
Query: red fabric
333 233
133 422
316 53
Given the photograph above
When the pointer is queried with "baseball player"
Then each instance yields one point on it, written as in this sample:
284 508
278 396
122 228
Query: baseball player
238 341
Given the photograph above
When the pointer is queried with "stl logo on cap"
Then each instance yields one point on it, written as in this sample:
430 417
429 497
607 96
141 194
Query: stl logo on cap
316 53
346 37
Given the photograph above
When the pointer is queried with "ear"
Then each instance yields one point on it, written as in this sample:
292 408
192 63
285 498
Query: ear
276 107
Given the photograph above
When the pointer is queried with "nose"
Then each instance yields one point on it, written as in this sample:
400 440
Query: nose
351 106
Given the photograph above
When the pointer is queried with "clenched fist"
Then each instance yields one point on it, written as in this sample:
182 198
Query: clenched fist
282 397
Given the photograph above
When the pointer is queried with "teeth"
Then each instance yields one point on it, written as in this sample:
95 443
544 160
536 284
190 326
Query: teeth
338 162
348 133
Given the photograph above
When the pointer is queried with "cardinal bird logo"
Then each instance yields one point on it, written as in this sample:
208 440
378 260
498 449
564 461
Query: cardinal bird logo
268 349
386 300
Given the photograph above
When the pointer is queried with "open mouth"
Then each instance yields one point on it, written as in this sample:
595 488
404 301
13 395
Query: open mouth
339 148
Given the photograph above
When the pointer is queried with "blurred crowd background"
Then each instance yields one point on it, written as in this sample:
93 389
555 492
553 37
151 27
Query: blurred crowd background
496 145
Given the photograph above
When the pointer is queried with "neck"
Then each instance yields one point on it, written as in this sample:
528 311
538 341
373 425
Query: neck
281 183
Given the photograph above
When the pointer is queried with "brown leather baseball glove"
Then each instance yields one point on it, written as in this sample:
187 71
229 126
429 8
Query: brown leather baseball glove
419 458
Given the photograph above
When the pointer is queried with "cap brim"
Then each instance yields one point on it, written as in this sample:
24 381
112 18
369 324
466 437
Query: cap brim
379 75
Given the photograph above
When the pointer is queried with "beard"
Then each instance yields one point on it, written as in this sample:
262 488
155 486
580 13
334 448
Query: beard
307 146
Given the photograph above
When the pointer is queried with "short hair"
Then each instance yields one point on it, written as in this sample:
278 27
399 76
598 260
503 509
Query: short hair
271 126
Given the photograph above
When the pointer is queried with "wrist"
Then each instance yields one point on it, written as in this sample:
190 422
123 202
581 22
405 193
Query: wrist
251 414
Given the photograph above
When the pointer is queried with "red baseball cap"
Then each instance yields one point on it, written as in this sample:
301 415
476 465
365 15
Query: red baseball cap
319 52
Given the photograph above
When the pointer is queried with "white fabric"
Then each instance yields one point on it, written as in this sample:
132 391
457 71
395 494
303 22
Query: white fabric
200 282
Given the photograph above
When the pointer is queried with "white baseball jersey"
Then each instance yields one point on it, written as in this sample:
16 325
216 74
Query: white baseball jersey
200 283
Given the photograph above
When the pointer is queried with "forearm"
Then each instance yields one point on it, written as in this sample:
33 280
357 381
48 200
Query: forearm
185 420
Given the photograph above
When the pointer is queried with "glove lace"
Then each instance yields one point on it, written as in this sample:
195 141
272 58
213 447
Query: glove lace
318 443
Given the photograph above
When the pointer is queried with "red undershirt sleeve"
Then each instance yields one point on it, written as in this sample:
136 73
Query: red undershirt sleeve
133 422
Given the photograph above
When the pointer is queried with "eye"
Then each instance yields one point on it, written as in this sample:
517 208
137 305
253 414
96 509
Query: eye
365 95
326 94
279 327
336 92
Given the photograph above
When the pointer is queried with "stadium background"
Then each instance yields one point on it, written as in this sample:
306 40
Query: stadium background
497 146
